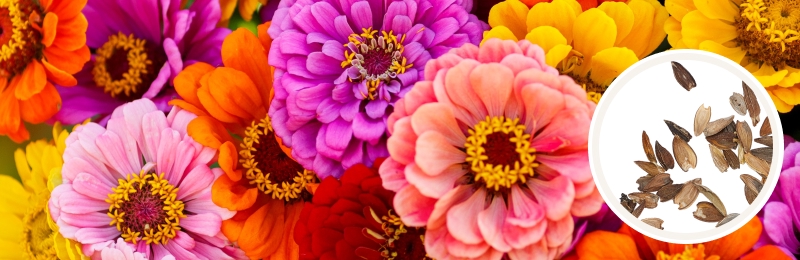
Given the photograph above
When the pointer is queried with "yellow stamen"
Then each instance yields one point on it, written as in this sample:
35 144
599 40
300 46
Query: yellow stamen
137 59
20 24
500 176
173 208
765 21
689 253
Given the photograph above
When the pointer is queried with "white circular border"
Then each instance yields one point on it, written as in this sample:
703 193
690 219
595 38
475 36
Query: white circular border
613 201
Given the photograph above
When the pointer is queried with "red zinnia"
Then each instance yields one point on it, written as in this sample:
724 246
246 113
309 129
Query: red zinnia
353 218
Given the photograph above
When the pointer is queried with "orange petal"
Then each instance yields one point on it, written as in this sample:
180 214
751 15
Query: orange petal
607 245
58 76
289 249
45 4
10 119
647 248
186 106
264 230
766 252
208 132
263 36
71 33
586 4
232 195
69 61
226 8
188 81
66 9
232 227
247 8
49 25
30 82
228 159
737 243
236 93
21 135
242 51
41 106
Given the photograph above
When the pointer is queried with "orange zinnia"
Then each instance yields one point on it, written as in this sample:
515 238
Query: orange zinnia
261 181
41 43
628 244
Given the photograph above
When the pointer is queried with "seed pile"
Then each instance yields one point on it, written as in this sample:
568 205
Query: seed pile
731 145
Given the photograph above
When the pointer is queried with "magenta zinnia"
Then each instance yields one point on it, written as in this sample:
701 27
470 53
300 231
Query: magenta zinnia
489 152
143 180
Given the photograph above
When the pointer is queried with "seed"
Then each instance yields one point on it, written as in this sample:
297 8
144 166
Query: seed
655 222
763 153
757 164
765 140
727 219
752 104
687 194
731 158
766 129
627 203
678 130
723 140
650 168
664 157
648 149
719 158
701 118
744 135
740 152
668 192
649 200
683 76
737 102
652 183
684 154
706 212
752 187
713 198
718 125
638 211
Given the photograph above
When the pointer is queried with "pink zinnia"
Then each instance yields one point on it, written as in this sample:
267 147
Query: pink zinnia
143 180
489 152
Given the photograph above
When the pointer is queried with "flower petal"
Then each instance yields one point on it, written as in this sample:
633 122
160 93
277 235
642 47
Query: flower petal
558 14
546 37
462 218
435 154
609 63
555 196
510 14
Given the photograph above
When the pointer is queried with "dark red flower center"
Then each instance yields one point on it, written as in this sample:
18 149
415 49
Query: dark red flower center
144 206
20 41
144 210
272 159
500 150
374 57
125 66
499 153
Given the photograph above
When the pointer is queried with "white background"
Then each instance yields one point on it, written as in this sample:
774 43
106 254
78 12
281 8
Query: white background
644 103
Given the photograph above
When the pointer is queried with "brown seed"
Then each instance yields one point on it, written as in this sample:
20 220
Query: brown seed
727 219
701 118
737 102
678 130
684 154
648 149
655 222
718 125
683 76
649 200
638 211
766 129
664 157
731 158
744 135
650 168
752 187
719 158
652 183
627 203
706 212
764 153
711 196
751 102
687 194
740 152
765 140
668 192
757 164
723 140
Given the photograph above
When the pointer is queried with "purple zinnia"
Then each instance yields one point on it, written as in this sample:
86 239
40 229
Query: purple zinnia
781 215
140 46
341 65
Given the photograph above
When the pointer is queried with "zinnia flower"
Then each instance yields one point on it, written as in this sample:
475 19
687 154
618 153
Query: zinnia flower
261 181
366 228
123 251
144 180
781 220
41 43
140 48
762 36
481 8
593 46
628 244
341 65
28 231
489 153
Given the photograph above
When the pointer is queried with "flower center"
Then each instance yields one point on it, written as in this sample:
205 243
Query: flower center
374 59
37 237
125 66
397 241
768 31
689 253
20 36
500 153
144 207
269 168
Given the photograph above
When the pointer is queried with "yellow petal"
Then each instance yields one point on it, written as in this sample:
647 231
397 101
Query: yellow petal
718 9
791 79
12 228
500 32
61 141
767 75
657 33
51 158
21 162
67 249
594 31
609 63
679 8
546 37
511 14
648 27
779 95
10 250
557 54
54 179
736 54
559 14
622 15
14 198
698 28
673 29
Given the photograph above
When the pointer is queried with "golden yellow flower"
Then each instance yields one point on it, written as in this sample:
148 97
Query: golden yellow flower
761 35
29 232
592 46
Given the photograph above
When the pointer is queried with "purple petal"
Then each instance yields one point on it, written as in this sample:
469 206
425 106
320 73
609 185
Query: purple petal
789 181
325 167
338 134
354 154
343 28
778 226
401 24
328 111
790 155
325 15
293 42
163 76
368 129
321 64
444 29
334 50
376 108
310 98
146 14
350 110
361 15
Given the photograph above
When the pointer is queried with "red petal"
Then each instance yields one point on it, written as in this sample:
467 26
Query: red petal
324 240
326 192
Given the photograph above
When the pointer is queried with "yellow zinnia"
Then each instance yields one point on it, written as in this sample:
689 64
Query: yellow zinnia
761 35
593 46
28 231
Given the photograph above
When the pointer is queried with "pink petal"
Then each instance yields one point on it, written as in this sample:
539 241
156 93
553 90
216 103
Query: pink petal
92 219
401 143
203 204
206 224
490 223
555 196
152 125
421 93
588 205
459 90
184 156
110 144
778 225
533 251
195 181
444 62
75 203
179 119
572 164
183 239
413 208
520 237
549 103
166 155
133 113
83 144
129 145
462 218
549 145
393 174
204 155
210 252
571 125
523 210
438 217
519 62
77 165
434 186
96 235
493 83
435 154
439 118
435 242
494 50
460 249
583 189
559 231
90 186
66 230
159 252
